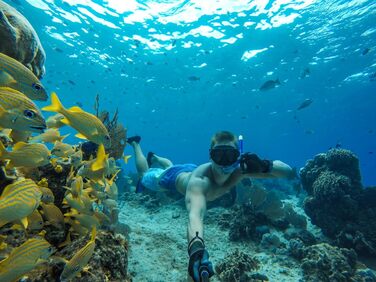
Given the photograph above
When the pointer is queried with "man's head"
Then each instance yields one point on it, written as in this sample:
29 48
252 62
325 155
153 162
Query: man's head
224 151
224 138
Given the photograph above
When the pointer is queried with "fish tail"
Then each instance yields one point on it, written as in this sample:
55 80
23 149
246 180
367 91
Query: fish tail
55 106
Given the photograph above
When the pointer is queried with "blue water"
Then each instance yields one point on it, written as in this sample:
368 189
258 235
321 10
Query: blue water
139 55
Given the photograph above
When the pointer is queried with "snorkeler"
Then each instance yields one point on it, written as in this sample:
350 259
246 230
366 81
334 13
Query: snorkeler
206 182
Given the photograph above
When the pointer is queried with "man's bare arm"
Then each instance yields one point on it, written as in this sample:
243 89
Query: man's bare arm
195 201
279 170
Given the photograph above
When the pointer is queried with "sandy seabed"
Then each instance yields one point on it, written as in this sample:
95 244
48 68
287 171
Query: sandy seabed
158 245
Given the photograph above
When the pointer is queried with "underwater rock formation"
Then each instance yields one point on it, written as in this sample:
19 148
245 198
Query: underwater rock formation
20 41
337 203
323 262
239 266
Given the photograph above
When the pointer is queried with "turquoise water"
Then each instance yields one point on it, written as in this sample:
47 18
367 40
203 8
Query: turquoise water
181 70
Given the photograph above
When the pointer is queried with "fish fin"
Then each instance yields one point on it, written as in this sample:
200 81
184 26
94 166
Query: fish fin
2 149
99 162
19 145
24 222
81 136
58 259
76 109
55 106
63 137
93 233
126 158
6 78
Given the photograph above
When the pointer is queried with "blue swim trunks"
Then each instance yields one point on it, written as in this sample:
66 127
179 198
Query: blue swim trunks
159 179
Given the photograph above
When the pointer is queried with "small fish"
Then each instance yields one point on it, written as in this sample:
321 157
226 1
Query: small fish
76 187
365 51
96 169
270 84
18 112
305 104
18 201
53 215
51 135
305 73
193 78
57 49
25 155
15 75
47 195
35 221
55 121
62 150
71 82
88 125
79 260
86 220
25 258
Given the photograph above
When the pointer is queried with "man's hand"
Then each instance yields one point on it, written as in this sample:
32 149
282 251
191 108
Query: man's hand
199 264
251 163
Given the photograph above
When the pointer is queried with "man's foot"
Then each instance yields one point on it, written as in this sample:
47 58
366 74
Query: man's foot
148 158
136 139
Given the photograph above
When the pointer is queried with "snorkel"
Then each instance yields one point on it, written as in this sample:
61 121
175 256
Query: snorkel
240 142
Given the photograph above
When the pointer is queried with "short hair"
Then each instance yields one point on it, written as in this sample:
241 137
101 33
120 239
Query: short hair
224 136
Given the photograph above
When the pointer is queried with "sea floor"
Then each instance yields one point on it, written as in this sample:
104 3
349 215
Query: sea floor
158 245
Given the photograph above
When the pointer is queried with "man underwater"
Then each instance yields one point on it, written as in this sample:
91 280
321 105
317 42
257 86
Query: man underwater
203 183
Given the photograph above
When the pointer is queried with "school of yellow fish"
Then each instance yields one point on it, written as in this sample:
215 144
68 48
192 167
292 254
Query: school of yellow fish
28 204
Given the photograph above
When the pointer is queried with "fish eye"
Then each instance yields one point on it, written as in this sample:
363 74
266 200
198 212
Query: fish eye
107 137
29 113
36 86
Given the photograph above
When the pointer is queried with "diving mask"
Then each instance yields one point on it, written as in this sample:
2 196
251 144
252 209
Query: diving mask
224 155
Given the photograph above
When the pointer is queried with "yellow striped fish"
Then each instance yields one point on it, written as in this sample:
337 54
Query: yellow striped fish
35 221
88 125
15 75
19 200
24 258
25 155
79 260
18 112
53 215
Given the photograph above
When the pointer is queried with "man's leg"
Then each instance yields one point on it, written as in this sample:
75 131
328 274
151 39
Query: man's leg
162 162
141 163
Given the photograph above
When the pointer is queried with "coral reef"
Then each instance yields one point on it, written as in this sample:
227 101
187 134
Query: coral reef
239 266
20 41
116 130
108 263
337 203
323 262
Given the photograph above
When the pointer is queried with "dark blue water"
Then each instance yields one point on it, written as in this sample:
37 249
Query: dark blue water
178 71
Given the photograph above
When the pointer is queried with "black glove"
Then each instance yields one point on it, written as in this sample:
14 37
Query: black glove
199 264
251 163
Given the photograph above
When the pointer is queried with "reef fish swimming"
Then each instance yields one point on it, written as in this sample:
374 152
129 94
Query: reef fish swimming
25 155
88 125
18 201
305 104
18 112
270 84
79 260
15 75
24 258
